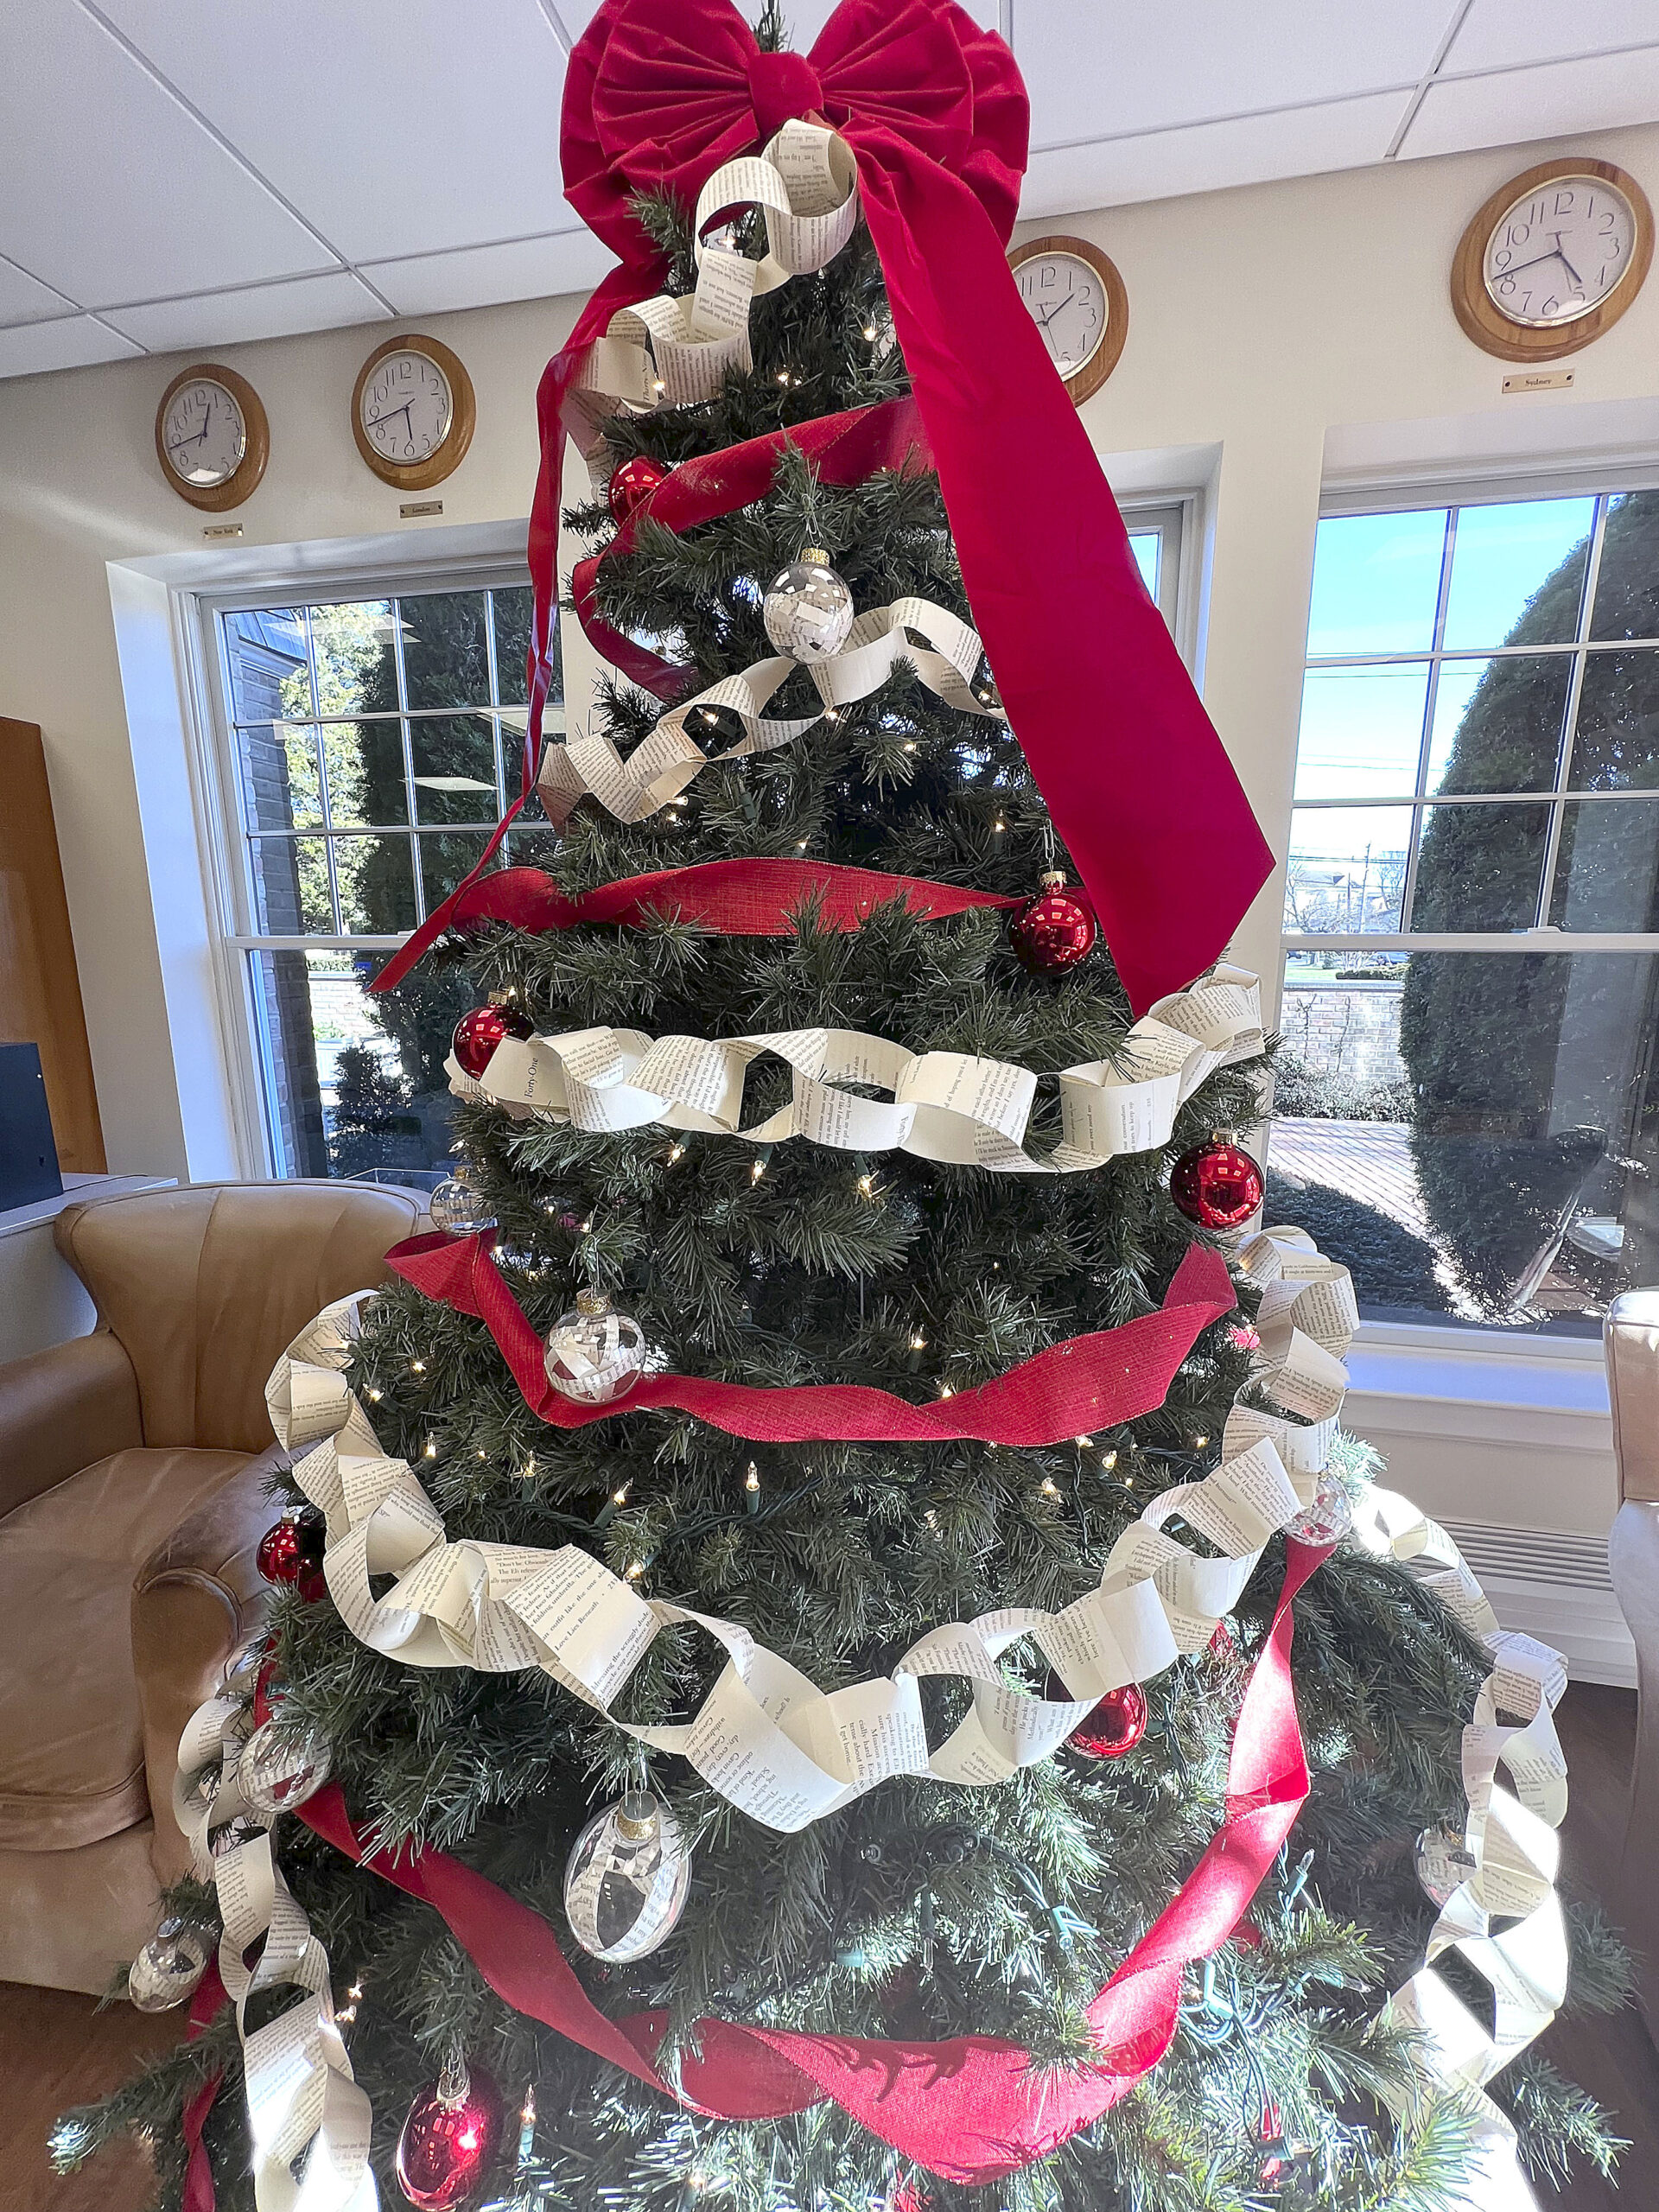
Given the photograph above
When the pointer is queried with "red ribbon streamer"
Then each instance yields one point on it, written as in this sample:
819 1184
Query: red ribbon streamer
1069 1389
658 94
197 2194
846 448
972 2109
743 898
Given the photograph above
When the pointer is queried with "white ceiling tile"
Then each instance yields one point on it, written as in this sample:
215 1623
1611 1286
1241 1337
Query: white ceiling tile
111 190
1598 93
72 342
1208 156
394 131
1496 34
1097 71
481 276
256 311
24 299
806 18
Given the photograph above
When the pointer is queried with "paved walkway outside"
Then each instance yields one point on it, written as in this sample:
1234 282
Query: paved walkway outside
1369 1161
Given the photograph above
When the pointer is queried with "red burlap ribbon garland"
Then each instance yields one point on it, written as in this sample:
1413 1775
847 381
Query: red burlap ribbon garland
740 897
1069 1389
972 2109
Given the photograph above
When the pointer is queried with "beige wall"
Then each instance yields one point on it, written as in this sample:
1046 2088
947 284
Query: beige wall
1258 320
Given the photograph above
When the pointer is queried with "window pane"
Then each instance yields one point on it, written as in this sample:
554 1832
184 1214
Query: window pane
455 768
356 661
1617 745
1347 868
1479 868
1477 1137
1498 723
1362 731
282 787
445 662
535 846
354 1083
1627 585
1510 562
1147 547
290 886
1606 866
265 653
1377 579
376 876
364 762
512 613
445 861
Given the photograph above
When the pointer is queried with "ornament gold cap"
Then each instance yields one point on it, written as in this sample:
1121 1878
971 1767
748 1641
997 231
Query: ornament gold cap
815 556
636 1816
591 1302
1052 879
455 2083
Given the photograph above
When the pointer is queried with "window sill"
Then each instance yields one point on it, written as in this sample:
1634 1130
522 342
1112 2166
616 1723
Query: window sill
1489 1385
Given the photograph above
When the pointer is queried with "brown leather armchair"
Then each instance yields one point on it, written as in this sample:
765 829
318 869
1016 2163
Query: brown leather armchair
132 1497
1631 1342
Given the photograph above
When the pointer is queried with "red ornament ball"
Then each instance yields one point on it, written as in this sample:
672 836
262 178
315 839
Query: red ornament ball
292 1551
449 2141
1115 1726
479 1032
1217 1185
1055 931
632 481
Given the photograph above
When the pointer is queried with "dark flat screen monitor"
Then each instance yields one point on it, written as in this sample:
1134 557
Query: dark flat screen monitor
28 1152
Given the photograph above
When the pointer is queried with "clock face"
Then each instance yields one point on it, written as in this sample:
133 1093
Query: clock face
203 434
1558 252
1067 302
407 408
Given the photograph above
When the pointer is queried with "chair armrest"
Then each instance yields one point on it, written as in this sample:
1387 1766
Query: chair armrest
196 1598
62 1408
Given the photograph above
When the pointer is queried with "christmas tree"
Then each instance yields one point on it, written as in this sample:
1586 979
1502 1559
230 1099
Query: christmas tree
776 1283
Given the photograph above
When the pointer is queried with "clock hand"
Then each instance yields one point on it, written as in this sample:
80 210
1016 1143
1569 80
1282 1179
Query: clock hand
375 421
1554 254
1567 264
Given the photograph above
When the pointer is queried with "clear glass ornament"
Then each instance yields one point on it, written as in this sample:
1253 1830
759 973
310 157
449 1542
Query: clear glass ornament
808 609
626 1884
170 1965
1444 1861
234 1834
1330 1517
277 1772
594 1355
458 1207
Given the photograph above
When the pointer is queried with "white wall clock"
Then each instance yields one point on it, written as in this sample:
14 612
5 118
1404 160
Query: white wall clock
1074 294
212 437
1553 259
412 412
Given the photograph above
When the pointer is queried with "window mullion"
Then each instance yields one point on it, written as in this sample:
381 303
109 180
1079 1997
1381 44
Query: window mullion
1570 718
408 756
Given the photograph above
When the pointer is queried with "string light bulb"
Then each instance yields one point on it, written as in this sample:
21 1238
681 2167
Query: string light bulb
417 1367
1109 1461
919 1342
866 1184
757 1171
751 1489
619 1495
636 1570
374 1397
1050 1489
431 1449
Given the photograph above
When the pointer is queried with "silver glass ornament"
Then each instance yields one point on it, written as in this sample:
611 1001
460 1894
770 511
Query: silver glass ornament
1330 1517
1444 1861
808 609
626 1884
277 1772
170 1965
458 1207
594 1355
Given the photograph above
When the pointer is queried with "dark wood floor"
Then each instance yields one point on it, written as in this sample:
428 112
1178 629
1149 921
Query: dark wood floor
57 2049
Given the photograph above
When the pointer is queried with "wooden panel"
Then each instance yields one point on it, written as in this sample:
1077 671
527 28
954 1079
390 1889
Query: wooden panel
40 986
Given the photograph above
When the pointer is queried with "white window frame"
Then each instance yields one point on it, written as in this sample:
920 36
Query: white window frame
1409 491
220 819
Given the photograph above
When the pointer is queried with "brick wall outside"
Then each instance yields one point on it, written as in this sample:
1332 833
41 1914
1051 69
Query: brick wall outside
1349 1034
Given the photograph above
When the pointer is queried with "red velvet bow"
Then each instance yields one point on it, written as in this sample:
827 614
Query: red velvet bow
658 93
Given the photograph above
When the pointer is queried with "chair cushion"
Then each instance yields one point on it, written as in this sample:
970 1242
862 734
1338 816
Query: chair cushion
71 1750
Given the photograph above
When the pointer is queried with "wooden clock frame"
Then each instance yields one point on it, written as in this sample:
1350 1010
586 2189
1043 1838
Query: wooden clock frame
419 475
244 480
1490 329
1094 372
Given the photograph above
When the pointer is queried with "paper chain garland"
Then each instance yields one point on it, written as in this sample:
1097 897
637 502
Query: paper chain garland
300 2089
467 1605
670 353
951 1107
943 652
